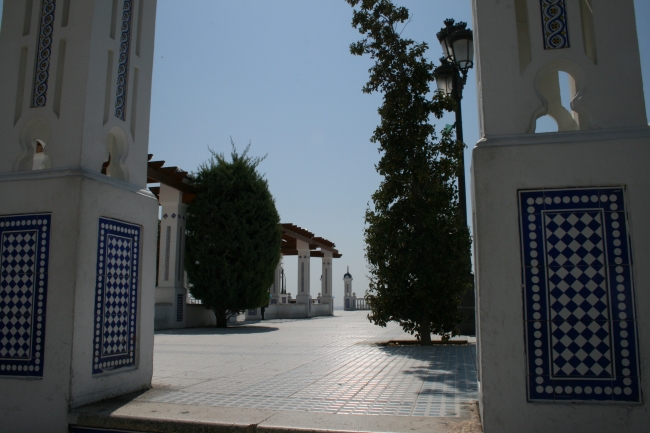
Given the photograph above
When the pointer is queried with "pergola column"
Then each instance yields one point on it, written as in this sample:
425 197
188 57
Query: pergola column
276 288
326 279
303 295
171 291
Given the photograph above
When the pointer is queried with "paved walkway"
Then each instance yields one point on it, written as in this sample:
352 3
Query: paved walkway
298 376
331 365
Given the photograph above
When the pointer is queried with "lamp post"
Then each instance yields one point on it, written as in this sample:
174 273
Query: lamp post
457 44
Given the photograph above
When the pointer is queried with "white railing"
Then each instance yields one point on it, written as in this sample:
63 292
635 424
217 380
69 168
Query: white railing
192 300
361 304
356 304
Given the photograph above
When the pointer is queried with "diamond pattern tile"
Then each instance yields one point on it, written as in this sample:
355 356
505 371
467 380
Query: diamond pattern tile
574 238
577 293
581 349
578 289
116 295
24 259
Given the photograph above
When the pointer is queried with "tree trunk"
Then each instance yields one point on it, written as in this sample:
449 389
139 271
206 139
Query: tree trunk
425 331
222 318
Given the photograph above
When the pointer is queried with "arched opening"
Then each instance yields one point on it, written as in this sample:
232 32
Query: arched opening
41 160
116 144
34 141
545 124
558 89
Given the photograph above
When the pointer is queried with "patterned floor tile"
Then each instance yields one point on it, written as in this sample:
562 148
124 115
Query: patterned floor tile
331 365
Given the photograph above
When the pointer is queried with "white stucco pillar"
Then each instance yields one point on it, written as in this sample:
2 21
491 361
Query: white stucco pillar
326 279
171 291
303 295
79 247
276 288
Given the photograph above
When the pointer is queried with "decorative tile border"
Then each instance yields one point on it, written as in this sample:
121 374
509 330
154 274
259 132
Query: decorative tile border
168 239
180 303
581 332
554 23
116 295
24 261
123 65
43 53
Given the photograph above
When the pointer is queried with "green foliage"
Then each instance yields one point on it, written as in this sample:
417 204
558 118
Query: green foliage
233 236
417 245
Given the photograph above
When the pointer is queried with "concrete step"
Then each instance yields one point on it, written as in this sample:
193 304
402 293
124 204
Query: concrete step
128 414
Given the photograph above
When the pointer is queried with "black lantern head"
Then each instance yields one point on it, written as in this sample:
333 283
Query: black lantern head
457 42
444 75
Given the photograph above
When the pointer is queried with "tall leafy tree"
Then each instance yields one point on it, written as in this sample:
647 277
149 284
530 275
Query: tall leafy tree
233 236
417 245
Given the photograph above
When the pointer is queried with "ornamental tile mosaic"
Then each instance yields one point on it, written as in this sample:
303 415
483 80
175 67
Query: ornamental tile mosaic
24 259
579 308
554 23
123 65
116 295
43 53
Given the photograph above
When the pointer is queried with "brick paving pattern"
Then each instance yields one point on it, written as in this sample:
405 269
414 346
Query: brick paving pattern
331 365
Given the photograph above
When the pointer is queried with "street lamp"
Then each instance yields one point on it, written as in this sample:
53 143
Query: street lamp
457 44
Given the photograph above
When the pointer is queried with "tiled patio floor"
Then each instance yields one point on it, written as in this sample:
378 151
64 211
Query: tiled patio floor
331 365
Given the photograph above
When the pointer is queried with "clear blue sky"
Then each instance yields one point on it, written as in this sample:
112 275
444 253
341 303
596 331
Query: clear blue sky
279 73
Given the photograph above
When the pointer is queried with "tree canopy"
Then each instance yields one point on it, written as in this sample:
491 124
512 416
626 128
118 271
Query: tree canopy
417 245
233 235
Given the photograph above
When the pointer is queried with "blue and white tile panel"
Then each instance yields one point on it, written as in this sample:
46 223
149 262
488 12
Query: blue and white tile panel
554 23
116 295
579 308
123 62
43 53
24 260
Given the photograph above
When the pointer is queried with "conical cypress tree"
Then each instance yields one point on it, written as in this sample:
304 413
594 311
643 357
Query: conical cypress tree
233 236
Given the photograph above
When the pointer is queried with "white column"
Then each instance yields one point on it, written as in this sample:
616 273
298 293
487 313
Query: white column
303 295
276 288
171 291
326 278
79 82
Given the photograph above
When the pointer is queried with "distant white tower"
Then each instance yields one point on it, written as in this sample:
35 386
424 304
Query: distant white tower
347 298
